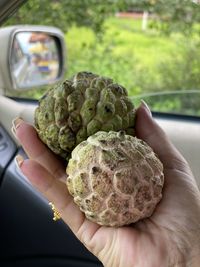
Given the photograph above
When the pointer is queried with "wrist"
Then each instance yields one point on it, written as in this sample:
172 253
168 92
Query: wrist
187 244
189 255
184 252
194 258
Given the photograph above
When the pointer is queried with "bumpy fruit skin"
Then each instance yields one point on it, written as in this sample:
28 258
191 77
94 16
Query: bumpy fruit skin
115 179
80 107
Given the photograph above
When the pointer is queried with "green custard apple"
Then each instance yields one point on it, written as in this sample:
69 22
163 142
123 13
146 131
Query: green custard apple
72 111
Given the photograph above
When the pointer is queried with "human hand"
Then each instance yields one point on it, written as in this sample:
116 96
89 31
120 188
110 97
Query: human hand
170 237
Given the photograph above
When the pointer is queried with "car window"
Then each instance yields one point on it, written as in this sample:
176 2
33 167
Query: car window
150 47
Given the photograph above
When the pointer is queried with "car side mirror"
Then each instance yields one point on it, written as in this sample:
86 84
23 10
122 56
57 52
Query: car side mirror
31 56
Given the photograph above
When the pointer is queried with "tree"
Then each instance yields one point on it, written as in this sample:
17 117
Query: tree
170 15
64 13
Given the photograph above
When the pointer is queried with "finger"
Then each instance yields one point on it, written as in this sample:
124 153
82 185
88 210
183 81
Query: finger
52 189
148 130
36 150
57 193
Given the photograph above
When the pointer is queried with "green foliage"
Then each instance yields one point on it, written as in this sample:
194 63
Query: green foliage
124 53
181 71
100 57
185 102
65 13
177 16
168 16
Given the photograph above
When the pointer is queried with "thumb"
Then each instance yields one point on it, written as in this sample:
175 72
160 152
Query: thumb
148 130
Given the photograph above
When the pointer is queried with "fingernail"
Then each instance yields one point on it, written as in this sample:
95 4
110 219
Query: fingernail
19 161
63 178
144 104
15 124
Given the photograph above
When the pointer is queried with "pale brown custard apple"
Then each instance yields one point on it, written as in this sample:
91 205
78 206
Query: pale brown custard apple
115 179
77 108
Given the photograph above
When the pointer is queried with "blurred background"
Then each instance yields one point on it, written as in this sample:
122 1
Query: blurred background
150 47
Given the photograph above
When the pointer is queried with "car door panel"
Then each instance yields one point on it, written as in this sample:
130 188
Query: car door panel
184 132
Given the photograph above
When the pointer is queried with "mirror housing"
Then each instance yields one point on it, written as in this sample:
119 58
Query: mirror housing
31 56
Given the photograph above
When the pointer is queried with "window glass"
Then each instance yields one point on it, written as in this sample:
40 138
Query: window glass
150 47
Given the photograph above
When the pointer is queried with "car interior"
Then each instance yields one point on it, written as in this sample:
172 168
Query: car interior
29 236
